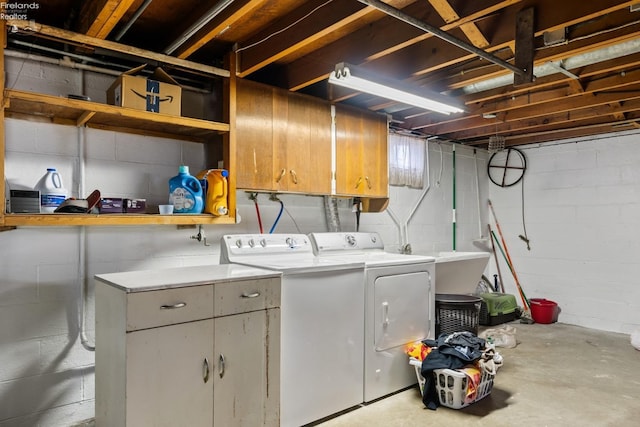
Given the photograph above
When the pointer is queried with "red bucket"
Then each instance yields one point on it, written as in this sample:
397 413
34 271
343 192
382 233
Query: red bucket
543 310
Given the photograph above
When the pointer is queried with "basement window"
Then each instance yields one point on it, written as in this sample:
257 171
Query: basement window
406 160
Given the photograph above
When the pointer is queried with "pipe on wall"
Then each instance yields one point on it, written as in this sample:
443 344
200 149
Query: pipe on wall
403 228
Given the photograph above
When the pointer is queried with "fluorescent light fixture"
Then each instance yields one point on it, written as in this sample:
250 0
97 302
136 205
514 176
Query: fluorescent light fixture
356 78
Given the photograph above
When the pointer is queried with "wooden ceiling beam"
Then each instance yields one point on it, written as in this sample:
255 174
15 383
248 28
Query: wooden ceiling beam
510 101
300 32
99 17
580 111
538 104
200 40
296 37
379 40
441 55
571 130
628 62
469 29
473 72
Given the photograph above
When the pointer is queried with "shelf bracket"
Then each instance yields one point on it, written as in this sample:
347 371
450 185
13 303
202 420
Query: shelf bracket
84 118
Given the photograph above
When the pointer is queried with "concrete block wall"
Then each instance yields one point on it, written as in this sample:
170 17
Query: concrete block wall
582 216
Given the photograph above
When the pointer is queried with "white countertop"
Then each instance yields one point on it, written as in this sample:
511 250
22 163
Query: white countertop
151 280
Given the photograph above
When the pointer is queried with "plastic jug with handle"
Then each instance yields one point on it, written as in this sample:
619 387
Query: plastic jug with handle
215 188
185 193
52 191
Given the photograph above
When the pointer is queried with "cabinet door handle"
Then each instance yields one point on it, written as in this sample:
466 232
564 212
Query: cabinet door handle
358 182
368 182
251 295
294 176
205 370
282 173
172 306
221 365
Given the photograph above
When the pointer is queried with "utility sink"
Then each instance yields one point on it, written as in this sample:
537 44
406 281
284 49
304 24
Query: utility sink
459 272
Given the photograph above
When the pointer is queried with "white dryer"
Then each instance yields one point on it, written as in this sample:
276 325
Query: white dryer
322 323
399 306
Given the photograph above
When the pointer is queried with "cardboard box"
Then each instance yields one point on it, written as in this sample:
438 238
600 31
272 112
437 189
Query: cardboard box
158 94
111 205
135 205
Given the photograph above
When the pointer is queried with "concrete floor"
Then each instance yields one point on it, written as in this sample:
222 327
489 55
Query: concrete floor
557 375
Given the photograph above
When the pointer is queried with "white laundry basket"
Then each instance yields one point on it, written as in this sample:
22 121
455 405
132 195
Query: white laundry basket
452 385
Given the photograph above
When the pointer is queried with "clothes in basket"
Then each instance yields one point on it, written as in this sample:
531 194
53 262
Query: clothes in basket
461 352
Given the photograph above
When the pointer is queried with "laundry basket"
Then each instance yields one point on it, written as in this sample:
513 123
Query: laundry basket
457 313
453 385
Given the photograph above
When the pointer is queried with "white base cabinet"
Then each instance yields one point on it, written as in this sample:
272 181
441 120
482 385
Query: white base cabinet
197 355
166 370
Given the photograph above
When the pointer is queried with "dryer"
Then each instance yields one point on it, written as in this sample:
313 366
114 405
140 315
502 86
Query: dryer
322 323
399 296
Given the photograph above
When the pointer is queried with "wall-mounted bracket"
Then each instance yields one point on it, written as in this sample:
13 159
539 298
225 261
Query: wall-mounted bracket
524 47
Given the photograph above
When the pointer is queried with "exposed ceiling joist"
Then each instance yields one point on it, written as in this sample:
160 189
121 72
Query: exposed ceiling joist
587 66
99 17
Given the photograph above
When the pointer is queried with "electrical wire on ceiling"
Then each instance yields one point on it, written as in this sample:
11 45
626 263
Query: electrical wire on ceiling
285 28
597 33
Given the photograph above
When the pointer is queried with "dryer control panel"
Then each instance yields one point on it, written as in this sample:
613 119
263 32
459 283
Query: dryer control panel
356 241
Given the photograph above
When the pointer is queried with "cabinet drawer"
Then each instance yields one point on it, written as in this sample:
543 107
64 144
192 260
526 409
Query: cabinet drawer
169 306
245 296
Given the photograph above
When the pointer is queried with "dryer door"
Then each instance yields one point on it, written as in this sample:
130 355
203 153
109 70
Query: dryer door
401 309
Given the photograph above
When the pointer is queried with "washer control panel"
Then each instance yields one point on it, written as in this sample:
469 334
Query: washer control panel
265 244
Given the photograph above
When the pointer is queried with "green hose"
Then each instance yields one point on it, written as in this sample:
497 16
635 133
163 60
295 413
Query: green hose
454 197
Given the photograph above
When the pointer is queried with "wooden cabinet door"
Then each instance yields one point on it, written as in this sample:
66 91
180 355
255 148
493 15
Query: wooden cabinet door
283 140
304 148
167 382
361 153
246 385
254 136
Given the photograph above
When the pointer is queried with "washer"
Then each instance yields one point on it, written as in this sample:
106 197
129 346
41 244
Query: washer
322 323
399 306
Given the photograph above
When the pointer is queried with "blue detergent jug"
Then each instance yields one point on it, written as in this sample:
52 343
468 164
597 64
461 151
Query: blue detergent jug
185 193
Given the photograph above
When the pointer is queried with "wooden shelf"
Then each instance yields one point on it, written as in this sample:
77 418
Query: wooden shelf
59 110
65 220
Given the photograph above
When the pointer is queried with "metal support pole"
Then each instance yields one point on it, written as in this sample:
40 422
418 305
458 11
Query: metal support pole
398 14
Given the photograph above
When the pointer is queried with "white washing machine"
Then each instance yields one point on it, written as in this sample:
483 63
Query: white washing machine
322 323
399 306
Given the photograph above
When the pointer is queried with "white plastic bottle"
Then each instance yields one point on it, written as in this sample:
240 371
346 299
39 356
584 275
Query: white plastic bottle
52 191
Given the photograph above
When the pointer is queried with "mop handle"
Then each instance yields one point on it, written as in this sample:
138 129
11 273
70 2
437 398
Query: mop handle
523 297
507 256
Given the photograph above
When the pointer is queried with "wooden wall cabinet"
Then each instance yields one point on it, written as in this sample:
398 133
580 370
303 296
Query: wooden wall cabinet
285 143
361 153
284 140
